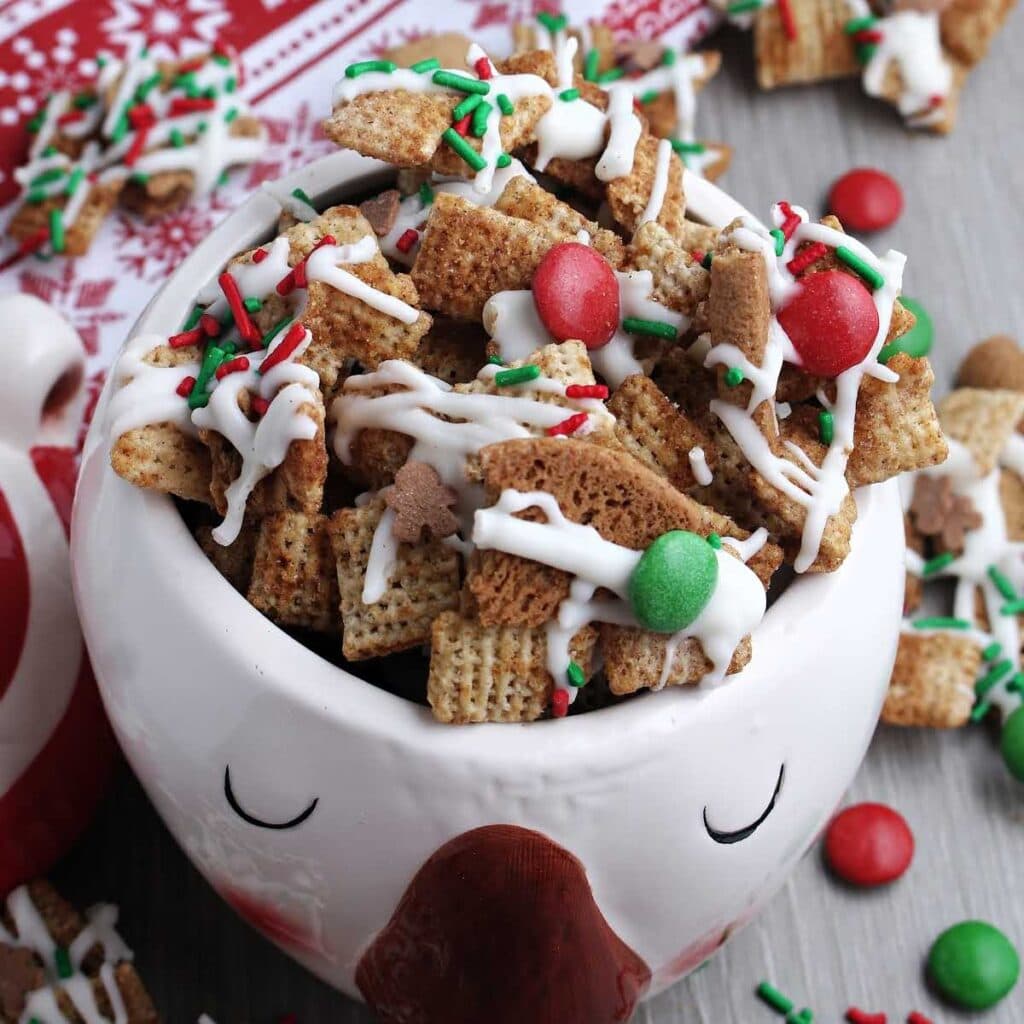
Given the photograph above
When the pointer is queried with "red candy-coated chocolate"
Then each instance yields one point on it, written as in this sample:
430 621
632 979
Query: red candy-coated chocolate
866 200
832 322
869 844
576 295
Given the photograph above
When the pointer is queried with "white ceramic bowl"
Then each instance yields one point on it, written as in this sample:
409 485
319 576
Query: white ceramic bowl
196 681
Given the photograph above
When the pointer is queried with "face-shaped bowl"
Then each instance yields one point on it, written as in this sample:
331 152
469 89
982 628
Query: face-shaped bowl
654 797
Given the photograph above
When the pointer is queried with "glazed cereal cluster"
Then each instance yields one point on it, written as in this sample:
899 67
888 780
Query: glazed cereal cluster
520 416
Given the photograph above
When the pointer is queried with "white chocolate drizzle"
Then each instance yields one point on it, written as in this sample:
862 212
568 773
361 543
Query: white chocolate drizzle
699 464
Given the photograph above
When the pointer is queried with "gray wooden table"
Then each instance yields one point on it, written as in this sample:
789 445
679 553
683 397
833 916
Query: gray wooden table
823 945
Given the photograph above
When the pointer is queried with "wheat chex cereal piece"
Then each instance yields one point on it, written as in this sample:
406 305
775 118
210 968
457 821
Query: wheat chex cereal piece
527 36
296 484
22 969
1011 495
739 312
608 489
968 27
527 200
233 561
820 51
31 218
660 112
423 582
680 283
294 572
933 681
995 362
469 253
452 350
496 674
656 433
629 195
982 421
450 48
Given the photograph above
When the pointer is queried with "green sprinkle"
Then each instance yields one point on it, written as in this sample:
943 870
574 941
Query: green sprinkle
62 959
865 52
426 194
212 358
74 180
496 360
147 86
860 267
780 240
1002 583
733 377
209 93
1012 607
552 22
36 196
253 304
466 106
826 427
804 1016
50 151
503 160
668 58
505 105
138 177
992 677
193 318
276 330
478 126
518 375
57 230
650 96
451 80
361 67
1016 684
231 114
230 84
658 328
934 565
706 262
461 147
687 148
980 711
941 622
591 63
855 25
35 124
743 6
575 675
774 998
568 95
84 100
301 195
993 650
53 174
421 67
221 59
186 81
715 541
611 75
177 139
120 128
223 178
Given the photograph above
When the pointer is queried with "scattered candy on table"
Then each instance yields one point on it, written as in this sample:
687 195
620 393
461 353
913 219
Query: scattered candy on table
869 844
973 965
866 199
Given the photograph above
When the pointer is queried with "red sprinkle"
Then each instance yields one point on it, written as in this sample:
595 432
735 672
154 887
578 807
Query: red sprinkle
210 324
186 338
483 68
193 65
185 387
462 125
866 199
246 328
856 1016
296 277
560 703
806 256
918 1018
259 255
185 105
568 426
291 341
259 405
791 219
787 19
407 239
698 255
869 844
936 100
141 115
137 146
236 365
868 35
71 116
586 391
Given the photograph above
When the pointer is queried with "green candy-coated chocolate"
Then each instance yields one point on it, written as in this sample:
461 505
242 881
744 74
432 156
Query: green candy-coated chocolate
1011 743
673 581
917 341
973 964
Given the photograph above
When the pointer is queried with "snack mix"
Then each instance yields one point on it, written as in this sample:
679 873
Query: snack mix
520 413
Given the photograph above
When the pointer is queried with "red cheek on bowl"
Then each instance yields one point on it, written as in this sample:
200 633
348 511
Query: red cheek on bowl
694 955
269 920
500 925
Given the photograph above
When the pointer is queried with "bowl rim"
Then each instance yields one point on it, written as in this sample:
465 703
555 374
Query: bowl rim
299 673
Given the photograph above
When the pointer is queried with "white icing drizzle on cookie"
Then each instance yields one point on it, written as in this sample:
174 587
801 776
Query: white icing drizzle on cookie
289 202
699 464
382 560
511 319
660 185
820 489
736 606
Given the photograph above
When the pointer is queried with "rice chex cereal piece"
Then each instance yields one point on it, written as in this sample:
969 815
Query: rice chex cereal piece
821 50
680 283
933 681
982 421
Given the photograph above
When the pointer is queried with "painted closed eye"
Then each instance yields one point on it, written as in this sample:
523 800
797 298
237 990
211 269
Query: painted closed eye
738 835
278 826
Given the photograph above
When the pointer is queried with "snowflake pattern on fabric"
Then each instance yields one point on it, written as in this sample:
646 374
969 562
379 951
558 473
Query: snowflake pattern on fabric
171 28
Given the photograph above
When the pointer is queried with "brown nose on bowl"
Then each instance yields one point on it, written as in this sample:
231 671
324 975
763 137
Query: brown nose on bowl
500 925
